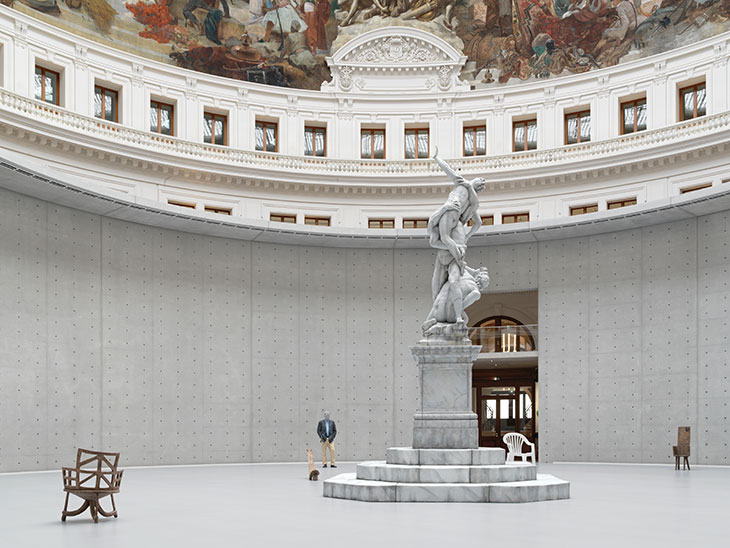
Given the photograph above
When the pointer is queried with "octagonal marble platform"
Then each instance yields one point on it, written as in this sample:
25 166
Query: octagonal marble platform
446 475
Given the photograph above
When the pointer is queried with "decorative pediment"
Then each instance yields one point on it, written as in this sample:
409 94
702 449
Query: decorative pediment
396 59
396 49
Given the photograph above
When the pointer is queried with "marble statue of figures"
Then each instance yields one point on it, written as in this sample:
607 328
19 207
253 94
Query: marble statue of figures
448 233
471 285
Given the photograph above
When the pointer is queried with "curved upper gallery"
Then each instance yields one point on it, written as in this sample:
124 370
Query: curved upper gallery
570 150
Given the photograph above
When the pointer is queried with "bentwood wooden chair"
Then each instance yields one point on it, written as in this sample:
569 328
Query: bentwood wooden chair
95 476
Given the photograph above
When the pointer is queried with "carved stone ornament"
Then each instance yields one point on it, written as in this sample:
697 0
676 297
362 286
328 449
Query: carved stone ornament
397 49
444 77
396 59
346 78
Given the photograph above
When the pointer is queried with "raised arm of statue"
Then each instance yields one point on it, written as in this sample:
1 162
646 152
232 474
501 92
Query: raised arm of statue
446 168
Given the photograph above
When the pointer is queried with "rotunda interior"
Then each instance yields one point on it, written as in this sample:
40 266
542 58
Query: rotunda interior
215 225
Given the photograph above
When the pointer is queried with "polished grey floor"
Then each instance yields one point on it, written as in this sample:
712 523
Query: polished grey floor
274 505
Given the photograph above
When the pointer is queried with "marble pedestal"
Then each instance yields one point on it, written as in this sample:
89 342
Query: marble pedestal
446 475
445 419
445 463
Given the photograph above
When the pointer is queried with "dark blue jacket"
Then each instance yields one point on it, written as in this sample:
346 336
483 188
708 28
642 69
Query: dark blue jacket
322 431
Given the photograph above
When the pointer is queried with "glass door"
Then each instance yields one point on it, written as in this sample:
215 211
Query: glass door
497 414
526 417
488 422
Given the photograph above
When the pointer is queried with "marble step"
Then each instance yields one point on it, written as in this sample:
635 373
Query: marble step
434 457
544 487
404 473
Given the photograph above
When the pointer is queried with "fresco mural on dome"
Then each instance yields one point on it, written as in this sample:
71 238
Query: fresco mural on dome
285 42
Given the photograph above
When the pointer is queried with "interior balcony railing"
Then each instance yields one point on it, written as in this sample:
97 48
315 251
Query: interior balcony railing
505 338
62 119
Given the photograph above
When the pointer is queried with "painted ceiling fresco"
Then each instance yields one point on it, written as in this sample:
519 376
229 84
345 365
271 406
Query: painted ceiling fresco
285 42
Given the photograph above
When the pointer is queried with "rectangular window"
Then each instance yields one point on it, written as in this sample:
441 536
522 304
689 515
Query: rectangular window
162 118
475 140
578 127
47 82
621 203
692 102
693 188
416 143
381 223
317 221
515 218
181 204
215 128
415 223
219 210
524 135
486 220
372 144
633 116
266 137
106 103
581 210
315 141
283 218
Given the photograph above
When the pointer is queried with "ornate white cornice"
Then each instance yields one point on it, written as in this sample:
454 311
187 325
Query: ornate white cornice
18 179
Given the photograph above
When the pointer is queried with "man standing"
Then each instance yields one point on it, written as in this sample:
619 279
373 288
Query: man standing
326 430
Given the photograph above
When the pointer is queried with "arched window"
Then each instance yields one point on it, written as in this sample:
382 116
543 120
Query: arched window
502 334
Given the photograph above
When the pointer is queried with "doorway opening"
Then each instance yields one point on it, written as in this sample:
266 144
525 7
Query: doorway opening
505 375
505 401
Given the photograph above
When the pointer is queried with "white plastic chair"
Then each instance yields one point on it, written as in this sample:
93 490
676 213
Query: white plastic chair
514 443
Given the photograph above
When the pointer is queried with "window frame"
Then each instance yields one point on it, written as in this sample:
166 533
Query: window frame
693 188
483 219
417 131
693 87
613 204
371 131
220 210
180 203
415 221
103 90
214 116
283 217
45 70
515 215
159 118
526 123
636 103
580 114
314 130
264 124
473 128
381 221
581 209
317 218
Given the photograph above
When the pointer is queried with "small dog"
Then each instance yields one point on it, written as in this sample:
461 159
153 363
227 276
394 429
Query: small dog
313 472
